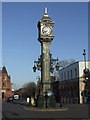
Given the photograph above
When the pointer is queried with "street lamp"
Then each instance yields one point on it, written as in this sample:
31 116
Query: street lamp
86 70
53 64
37 64
34 68
57 66
86 76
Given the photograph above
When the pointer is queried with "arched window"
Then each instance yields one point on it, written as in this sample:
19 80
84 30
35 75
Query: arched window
64 75
75 73
61 76
71 74
67 74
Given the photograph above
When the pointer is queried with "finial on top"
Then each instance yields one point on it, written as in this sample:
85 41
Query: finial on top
46 10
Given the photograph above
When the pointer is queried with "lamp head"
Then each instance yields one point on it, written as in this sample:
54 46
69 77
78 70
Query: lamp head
86 72
38 66
84 52
34 68
57 66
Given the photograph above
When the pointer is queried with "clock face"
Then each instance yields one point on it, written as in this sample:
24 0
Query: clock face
46 30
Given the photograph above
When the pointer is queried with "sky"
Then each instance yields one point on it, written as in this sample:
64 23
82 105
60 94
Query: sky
20 45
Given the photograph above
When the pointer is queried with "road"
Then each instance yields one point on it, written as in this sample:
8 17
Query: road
11 110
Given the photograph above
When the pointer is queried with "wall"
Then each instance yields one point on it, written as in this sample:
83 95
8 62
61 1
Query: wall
82 67
66 71
75 80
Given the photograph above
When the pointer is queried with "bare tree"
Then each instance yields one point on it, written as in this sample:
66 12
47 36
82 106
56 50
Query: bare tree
65 62
29 89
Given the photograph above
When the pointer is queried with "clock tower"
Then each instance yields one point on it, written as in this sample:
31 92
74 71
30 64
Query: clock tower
45 36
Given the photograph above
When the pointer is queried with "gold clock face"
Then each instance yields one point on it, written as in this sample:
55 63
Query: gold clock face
46 30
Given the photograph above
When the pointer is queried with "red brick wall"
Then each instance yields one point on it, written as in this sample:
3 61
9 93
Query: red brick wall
7 82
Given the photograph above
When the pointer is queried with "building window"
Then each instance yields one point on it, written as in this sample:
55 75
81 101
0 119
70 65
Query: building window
67 74
4 85
61 76
71 74
5 77
75 73
64 75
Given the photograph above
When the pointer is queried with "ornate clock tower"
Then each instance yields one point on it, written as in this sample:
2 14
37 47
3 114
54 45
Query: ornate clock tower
45 36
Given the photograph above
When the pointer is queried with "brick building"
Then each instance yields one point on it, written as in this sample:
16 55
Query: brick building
6 84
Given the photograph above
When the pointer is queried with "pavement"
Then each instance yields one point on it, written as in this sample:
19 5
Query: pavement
80 111
67 111
58 108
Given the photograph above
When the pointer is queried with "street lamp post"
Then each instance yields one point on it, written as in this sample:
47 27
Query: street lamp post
86 70
86 76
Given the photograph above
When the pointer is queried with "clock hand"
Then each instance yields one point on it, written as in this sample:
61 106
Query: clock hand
46 31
